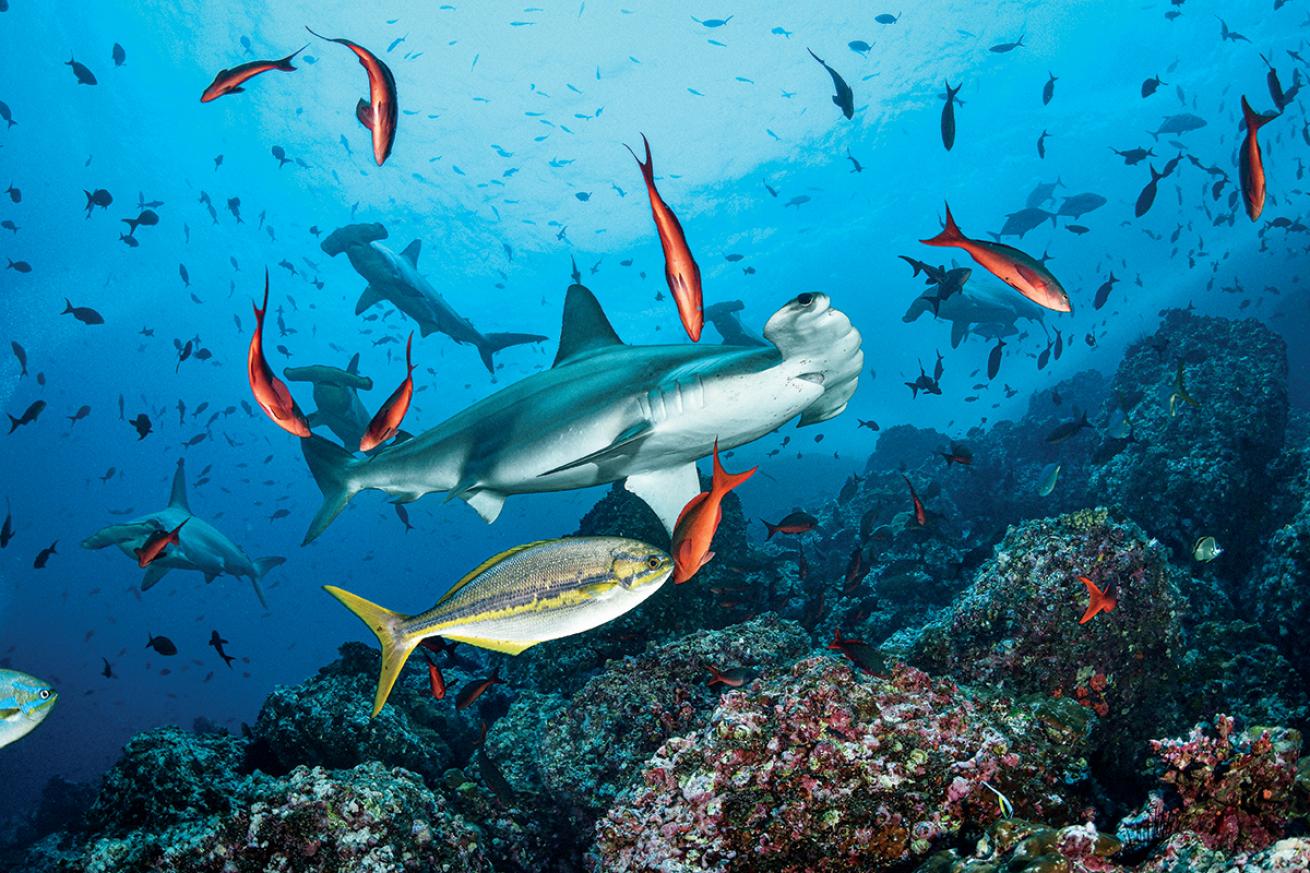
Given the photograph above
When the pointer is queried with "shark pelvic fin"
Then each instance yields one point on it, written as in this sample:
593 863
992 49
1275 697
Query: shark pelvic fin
154 573
585 328
666 491
177 498
486 503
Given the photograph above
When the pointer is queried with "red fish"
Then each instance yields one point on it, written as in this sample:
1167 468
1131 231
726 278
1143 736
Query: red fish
387 420
855 570
1251 164
680 269
797 522
920 516
1098 601
230 81
1020 271
472 692
156 543
272 396
435 678
734 678
694 532
378 112
861 654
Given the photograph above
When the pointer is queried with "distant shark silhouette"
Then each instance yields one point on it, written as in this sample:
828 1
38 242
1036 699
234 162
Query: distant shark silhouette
201 546
395 279
336 398
607 411
986 311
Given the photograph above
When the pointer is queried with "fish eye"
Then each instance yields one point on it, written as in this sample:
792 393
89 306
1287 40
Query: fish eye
653 562
45 693
805 299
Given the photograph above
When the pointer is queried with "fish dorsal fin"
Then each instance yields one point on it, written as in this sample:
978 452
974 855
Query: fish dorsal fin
585 328
177 497
411 252
353 366
483 567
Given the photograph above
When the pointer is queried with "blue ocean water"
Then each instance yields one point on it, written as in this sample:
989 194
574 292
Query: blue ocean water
509 161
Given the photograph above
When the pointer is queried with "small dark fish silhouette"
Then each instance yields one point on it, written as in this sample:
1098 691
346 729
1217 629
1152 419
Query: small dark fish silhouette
1005 47
1147 196
844 99
1150 85
99 197
43 556
21 354
217 642
162 645
948 116
84 314
119 55
29 415
1048 90
82 412
84 76
142 425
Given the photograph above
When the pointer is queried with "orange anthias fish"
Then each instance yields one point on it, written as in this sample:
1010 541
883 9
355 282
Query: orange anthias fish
1020 271
155 544
1251 164
734 677
378 112
231 81
387 420
694 532
435 679
1098 601
680 269
272 396
920 516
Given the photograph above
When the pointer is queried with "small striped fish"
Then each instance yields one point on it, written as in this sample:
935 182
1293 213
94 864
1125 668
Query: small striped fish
523 596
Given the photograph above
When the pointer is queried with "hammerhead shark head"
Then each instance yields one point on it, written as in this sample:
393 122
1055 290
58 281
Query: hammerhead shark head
200 547
336 398
396 279
607 411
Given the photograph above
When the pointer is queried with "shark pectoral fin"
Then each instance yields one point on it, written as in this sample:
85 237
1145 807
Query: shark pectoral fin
117 533
508 647
666 491
210 577
959 330
624 444
485 502
314 419
370 297
154 573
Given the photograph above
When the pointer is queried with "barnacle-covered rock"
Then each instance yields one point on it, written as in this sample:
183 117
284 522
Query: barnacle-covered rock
823 770
1018 627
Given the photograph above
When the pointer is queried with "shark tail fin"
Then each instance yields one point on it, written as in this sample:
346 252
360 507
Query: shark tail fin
262 566
396 645
331 466
494 342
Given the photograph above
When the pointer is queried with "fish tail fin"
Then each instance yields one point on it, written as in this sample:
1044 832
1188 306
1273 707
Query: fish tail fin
648 165
13 424
396 646
68 306
951 92
1254 120
716 676
1155 177
950 234
285 64
259 311
723 481
773 529
331 467
1097 600
494 342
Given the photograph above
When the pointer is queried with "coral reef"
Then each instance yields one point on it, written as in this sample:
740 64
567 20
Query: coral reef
1018 627
824 770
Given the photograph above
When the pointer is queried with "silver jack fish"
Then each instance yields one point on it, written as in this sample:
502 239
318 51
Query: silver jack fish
607 411
25 701
201 546
523 596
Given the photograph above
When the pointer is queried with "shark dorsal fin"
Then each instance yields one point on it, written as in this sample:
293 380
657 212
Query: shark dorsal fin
353 366
585 328
411 252
177 498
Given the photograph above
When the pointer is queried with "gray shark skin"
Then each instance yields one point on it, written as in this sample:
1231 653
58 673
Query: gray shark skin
395 278
336 398
607 411
201 546
988 312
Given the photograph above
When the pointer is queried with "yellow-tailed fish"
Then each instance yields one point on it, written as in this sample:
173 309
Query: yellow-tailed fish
529 594
1206 550
1007 808
1180 393
1046 484
25 701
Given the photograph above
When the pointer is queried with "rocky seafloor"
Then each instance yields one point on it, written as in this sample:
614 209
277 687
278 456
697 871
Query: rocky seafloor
981 728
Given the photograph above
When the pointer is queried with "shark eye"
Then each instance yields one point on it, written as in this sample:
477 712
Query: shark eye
805 299
653 562
45 693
